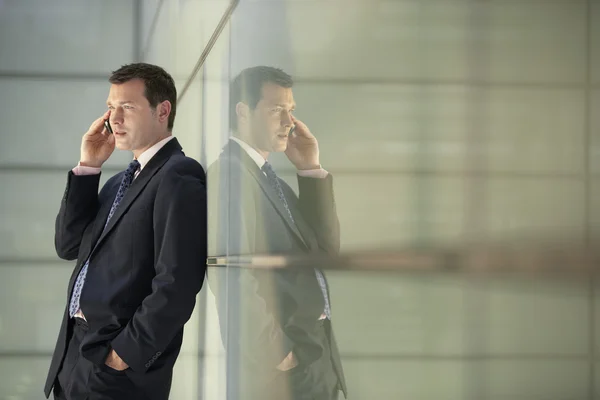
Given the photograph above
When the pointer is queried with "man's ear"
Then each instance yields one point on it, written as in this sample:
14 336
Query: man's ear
163 110
242 111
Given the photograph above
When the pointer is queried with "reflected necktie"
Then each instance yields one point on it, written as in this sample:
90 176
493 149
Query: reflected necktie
125 183
274 181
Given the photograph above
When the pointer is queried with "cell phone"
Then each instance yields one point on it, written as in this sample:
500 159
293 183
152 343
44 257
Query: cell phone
107 126
292 129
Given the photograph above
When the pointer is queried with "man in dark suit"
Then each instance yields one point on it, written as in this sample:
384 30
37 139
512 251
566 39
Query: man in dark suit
140 246
275 324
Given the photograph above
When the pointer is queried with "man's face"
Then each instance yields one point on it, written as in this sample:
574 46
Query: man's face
133 120
271 121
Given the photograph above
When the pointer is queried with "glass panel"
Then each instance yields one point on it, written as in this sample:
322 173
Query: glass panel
594 148
594 201
498 41
505 380
536 209
438 315
447 128
64 111
149 14
595 40
23 377
33 299
181 32
28 211
66 36
405 128
554 378
527 316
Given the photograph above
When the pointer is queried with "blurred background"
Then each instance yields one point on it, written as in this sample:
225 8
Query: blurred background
464 139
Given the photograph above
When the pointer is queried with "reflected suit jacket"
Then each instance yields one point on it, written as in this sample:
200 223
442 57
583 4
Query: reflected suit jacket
264 314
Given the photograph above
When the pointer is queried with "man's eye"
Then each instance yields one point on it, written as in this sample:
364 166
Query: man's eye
127 107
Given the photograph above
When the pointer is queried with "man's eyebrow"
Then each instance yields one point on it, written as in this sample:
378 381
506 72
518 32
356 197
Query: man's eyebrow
120 102
285 105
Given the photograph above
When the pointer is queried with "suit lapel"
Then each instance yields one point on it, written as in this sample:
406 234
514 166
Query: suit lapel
235 150
103 213
138 185
98 226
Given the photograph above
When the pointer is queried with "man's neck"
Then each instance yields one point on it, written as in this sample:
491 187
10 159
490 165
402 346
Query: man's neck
137 153
263 154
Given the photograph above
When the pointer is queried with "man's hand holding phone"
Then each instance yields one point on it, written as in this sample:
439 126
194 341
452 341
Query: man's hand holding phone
97 144
303 148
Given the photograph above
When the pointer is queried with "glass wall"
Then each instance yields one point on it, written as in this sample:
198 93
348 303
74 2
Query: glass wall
461 127
464 143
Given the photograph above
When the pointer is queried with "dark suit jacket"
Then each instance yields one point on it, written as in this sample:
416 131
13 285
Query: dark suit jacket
145 268
265 314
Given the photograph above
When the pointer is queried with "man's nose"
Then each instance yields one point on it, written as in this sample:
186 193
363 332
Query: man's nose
116 116
286 119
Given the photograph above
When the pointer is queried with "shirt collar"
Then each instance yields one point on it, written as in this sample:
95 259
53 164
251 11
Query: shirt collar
147 155
254 155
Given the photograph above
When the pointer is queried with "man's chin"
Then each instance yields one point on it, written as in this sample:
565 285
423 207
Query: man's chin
280 147
122 146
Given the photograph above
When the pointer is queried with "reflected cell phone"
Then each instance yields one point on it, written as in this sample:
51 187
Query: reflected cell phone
107 126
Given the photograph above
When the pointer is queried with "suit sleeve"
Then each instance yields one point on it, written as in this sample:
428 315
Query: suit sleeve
78 209
250 328
180 267
316 202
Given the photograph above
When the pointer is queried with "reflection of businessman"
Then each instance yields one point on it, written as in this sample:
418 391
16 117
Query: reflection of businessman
140 246
276 325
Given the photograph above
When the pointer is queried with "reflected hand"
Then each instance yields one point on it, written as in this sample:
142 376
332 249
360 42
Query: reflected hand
288 362
303 148
97 144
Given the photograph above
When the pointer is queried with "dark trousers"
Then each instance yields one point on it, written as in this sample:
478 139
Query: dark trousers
316 380
80 379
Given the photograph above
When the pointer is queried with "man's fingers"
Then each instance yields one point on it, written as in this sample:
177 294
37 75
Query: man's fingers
110 139
98 123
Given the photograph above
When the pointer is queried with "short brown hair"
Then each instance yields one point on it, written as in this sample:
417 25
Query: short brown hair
159 85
